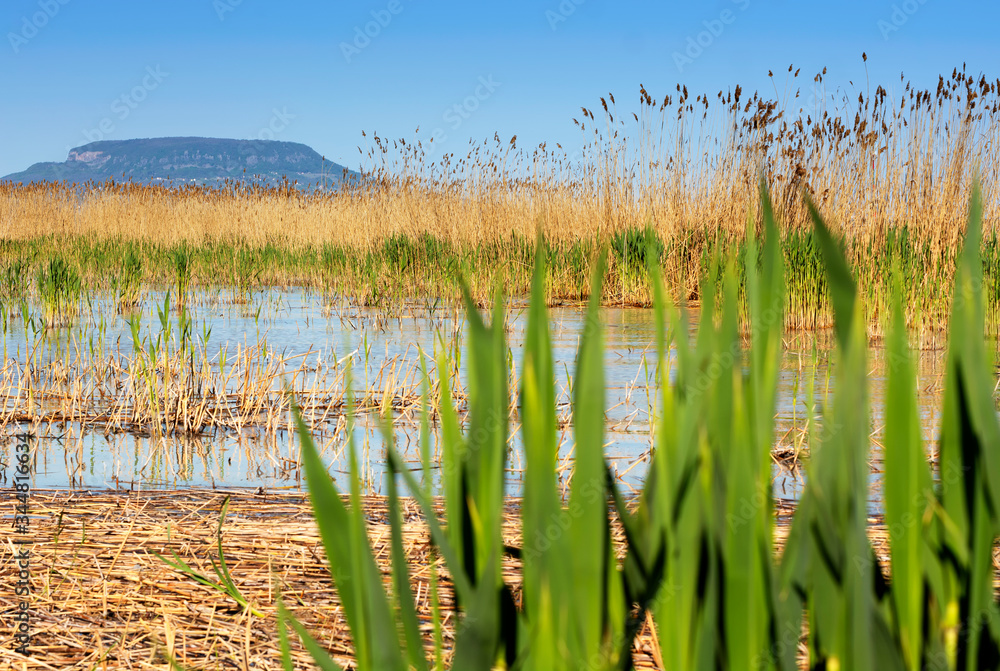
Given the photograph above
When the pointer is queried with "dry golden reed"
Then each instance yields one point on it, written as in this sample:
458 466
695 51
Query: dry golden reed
890 171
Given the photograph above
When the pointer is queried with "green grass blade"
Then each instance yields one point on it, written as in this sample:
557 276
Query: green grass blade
477 635
223 569
180 565
969 460
489 401
747 611
842 603
380 625
333 519
476 641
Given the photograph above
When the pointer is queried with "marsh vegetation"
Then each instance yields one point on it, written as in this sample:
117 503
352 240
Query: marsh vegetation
681 349
891 175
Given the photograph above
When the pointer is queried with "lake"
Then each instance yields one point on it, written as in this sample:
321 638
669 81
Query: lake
154 400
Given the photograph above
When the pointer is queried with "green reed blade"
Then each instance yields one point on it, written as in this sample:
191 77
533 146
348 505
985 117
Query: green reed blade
284 646
425 425
681 506
646 528
453 451
320 656
656 486
182 566
843 288
475 642
969 466
860 570
223 569
381 625
907 487
587 503
478 634
436 617
463 587
706 594
489 401
541 510
829 481
747 610
352 566
400 572
766 296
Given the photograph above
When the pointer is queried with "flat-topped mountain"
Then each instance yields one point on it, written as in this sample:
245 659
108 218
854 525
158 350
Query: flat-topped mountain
188 160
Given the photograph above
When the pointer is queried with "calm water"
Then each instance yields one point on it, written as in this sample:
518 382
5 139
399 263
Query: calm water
291 323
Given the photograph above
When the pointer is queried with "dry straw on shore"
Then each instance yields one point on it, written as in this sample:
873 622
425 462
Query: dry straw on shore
102 600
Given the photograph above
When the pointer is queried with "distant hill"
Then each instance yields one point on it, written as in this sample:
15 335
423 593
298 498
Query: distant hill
188 160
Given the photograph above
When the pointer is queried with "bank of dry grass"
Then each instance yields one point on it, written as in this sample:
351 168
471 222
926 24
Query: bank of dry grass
101 599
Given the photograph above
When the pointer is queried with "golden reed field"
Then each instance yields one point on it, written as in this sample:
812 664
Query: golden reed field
891 173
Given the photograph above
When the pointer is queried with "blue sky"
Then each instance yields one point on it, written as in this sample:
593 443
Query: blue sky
79 70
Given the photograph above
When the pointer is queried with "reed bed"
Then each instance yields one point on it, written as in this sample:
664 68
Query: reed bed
889 167
190 391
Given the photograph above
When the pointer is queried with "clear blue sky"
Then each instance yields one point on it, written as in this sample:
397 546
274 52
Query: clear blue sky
250 68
